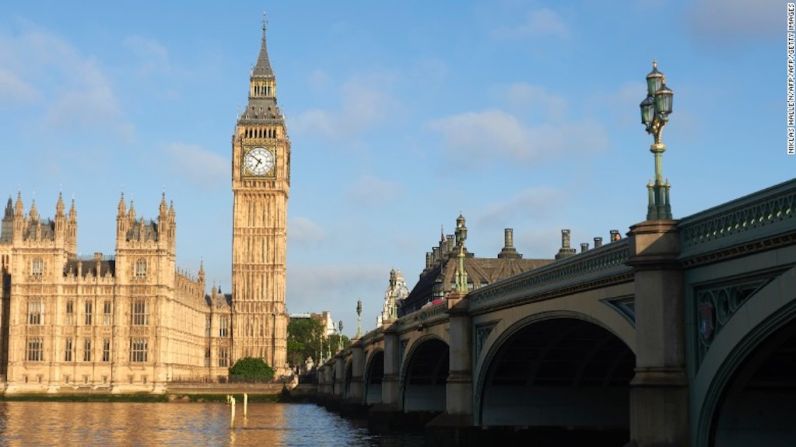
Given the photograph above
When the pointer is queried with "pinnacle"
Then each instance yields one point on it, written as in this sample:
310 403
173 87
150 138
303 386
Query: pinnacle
263 66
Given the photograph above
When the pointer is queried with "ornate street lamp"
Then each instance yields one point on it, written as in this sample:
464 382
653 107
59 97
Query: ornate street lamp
340 335
655 110
320 353
359 318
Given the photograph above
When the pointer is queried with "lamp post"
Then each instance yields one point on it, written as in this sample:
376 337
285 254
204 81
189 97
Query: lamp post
655 110
340 335
320 352
359 319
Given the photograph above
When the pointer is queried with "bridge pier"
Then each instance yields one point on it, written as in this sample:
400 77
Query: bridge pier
357 373
353 400
386 416
455 425
659 389
339 377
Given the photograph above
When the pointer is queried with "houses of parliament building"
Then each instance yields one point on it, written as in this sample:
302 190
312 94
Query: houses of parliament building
133 321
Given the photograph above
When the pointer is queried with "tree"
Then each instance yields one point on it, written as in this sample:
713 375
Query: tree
303 340
334 341
252 368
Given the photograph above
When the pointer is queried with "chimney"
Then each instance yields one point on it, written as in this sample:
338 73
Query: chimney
428 259
508 238
565 250
451 242
598 242
508 250
615 236
584 247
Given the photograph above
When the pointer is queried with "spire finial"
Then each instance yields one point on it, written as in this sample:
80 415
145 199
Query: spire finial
263 66
59 205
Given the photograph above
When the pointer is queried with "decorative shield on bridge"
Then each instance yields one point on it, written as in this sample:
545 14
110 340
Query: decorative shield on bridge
707 318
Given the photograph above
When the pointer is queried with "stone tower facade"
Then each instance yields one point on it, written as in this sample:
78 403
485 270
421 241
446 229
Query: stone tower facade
260 185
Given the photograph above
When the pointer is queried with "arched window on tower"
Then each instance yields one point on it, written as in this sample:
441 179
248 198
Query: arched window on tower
140 268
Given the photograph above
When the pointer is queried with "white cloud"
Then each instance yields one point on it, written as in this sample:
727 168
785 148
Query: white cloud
532 202
80 94
474 137
304 231
538 243
336 288
372 191
197 165
364 103
151 54
318 79
619 105
14 89
533 98
726 21
538 23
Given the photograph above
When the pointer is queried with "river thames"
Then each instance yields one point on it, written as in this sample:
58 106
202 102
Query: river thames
188 424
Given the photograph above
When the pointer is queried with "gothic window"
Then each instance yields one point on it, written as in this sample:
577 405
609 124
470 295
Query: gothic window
70 312
37 267
35 311
86 349
107 313
106 349
139 312
88 313
223 326
138 350
223 357
35 349
140 268
208 325
68 349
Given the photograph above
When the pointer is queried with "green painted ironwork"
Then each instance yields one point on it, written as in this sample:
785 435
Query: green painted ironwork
605 261
714 306
762 214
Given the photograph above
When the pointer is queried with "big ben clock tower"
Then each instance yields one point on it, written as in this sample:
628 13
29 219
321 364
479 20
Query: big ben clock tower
260 186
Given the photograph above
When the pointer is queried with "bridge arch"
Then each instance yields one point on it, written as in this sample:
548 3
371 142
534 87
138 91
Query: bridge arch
746 383
424 374
555 370
374 375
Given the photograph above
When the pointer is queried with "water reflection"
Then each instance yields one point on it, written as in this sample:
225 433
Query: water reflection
190 424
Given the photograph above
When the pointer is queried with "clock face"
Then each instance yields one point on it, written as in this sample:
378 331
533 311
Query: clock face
258 161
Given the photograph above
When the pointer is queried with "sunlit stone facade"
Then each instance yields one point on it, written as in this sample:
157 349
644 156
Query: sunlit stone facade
127 323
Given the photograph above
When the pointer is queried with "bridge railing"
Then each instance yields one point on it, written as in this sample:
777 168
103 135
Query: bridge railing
424 315
599 264
750 218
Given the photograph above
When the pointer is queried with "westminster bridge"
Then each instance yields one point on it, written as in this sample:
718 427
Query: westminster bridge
683 333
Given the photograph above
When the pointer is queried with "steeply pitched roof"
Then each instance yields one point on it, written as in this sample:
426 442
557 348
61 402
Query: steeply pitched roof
480 272
263 67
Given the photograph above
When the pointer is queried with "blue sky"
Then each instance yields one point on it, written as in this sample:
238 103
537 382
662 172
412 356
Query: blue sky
519 114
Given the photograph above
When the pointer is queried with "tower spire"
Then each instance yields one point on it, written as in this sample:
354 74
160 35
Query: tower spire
263 66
